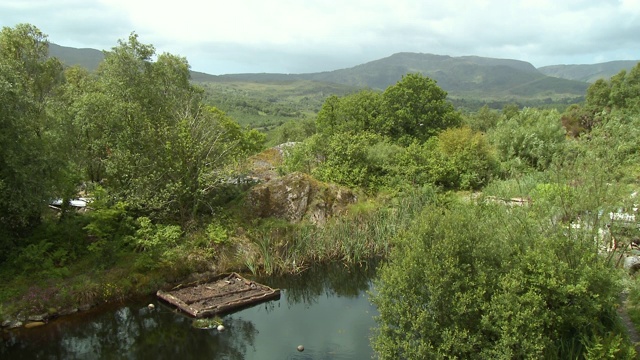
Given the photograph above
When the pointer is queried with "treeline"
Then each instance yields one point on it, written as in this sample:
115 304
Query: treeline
136 128
135 138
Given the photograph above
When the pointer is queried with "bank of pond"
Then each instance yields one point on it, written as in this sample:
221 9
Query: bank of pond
326 310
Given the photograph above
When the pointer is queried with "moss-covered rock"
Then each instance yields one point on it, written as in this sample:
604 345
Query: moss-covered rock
298 196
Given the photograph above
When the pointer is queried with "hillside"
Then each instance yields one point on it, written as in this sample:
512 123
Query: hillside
467 76
588 73
87 58
265 104
267 99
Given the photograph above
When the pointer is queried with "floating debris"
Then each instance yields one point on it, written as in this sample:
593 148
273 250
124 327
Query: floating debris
223 294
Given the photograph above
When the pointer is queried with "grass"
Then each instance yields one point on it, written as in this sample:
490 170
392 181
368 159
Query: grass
366 231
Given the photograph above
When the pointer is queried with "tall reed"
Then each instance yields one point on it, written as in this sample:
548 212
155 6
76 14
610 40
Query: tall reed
367 230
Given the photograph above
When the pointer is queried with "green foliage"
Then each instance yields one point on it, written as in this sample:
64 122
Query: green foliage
416 108
151 237
462 159
30 163
292 131
413 108
483 282
348 161
622 91
608 346
142 126
577 120
42 258
365 232
303 156
217 234
359 112
108 228
529 139
155 242
372 140
482 120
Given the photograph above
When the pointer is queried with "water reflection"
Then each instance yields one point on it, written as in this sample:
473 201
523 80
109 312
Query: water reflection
326 309
330 280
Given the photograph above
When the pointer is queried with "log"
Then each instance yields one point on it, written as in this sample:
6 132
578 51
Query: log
177 302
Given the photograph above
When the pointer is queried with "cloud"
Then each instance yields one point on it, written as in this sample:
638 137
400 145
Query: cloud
315 35
69 22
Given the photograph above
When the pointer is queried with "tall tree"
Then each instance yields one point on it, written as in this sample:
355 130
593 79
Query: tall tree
356 112
416 108
163 151
29 167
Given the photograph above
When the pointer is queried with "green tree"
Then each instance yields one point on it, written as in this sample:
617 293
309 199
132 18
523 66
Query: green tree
416 108
354 113
347 160
147 134
462 159
487 282
31 172
483 120
510 110
292 131
622 91
532 137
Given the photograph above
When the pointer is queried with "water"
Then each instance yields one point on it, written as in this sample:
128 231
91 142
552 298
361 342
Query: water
326 310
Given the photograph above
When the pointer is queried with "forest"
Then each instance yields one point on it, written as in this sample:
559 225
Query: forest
502 233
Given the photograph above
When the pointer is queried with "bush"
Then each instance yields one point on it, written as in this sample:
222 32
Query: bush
530 139
486 282
155 242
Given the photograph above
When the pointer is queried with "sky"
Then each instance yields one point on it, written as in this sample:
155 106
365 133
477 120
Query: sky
302 36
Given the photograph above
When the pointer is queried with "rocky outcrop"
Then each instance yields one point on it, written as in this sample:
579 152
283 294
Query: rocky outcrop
297 197
632 263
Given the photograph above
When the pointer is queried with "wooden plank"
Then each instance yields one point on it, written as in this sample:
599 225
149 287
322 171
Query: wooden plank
177 302
213 298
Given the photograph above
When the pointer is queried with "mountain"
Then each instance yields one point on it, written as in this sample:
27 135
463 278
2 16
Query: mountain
465 76
588 73
470 77
87 58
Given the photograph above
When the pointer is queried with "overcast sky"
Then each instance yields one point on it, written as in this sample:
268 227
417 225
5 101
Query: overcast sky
299 36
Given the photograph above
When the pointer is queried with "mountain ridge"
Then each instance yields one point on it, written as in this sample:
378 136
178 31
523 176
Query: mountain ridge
462 77
588 72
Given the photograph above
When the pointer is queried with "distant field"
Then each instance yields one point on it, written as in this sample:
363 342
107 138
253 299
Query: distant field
265 105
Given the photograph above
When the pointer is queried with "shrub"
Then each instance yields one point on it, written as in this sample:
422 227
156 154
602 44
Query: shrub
484 281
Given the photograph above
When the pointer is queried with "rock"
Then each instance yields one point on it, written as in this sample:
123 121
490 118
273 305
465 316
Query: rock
300 348
68 311
632 263
220 327
151 306
298 196
84 307
38 317
33 324
6 323
14 324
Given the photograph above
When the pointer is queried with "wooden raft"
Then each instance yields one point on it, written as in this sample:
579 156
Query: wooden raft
223 294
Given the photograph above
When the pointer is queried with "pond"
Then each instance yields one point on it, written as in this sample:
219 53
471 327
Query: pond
326 309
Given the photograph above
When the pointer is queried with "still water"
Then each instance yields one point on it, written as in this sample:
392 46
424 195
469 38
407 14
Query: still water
326 309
